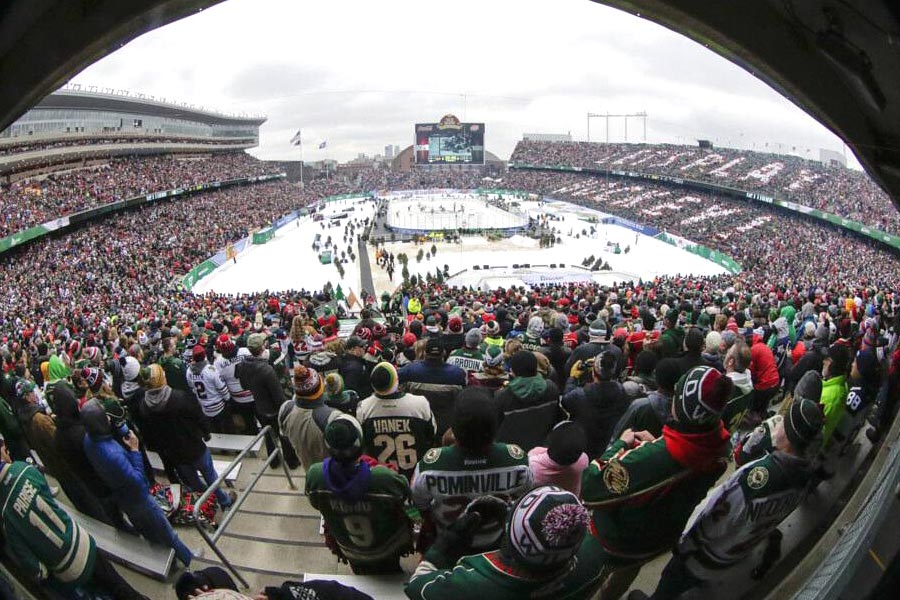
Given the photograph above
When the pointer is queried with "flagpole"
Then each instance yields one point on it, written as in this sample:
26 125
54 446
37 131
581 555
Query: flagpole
301 158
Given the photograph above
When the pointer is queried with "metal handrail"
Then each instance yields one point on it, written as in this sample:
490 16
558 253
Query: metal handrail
239 500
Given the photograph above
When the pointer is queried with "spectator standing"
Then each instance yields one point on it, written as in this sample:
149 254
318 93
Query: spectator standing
398 427
174 425
747 508
257 375
210 391
529 404
652 485
122 470
447 479
353 367
362 502
597 405
304 420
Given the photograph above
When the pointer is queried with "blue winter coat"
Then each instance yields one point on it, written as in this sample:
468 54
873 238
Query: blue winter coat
423 371
120 469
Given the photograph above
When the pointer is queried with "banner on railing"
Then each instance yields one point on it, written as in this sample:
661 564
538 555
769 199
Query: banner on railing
263 235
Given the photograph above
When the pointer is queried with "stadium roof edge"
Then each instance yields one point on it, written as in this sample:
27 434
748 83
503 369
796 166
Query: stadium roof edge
139 104
837 62
42 44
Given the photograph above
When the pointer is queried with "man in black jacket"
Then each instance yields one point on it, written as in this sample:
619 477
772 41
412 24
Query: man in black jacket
558 354
174 425
353 367
257 375
597 406
598 341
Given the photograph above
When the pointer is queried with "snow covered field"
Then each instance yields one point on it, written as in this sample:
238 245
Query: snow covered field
289 262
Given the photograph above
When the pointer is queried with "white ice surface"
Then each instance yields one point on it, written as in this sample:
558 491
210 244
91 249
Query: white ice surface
288 261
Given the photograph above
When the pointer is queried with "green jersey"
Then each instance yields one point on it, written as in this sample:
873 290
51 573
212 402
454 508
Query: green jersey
39 534
372 529
491 575
447 479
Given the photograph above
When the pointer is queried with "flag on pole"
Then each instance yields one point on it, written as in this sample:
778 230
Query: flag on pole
295 141
351 299
323 144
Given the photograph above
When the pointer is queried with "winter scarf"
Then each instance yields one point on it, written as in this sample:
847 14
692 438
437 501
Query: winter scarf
349 482
527 387
697 451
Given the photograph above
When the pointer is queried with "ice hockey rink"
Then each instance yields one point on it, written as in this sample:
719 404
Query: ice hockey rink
289 262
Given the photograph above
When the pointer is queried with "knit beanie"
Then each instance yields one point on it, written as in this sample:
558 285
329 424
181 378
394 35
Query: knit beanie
555 335
334 385
803 423
408 339
868 367
131 368
157 377
491 328
566 443
384 379
546 527
597 329
92 353
809 386
523 364
455 324
701 395
198 354
713 341
308 385
840 359
535 327
493 356
473 338
93 378
344 438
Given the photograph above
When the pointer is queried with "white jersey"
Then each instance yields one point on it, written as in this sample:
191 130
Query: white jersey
210 390
742 512
225 367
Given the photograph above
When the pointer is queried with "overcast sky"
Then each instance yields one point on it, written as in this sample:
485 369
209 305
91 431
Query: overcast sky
360 73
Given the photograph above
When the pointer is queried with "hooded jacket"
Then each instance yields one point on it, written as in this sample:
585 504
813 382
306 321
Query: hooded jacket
173 425
257 375
528 409
597 407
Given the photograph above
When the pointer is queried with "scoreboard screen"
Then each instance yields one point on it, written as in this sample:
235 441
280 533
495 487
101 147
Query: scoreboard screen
449 142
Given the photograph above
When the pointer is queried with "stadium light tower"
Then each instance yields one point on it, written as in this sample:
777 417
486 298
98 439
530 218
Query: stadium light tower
640 115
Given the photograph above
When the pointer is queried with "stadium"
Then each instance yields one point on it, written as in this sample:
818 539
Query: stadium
242 374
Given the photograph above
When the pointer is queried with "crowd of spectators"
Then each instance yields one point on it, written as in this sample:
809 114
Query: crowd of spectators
29 202
489 411
838 190
607 393
772 247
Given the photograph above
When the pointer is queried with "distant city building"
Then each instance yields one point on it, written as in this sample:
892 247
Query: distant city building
388 152
830 158
547 137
